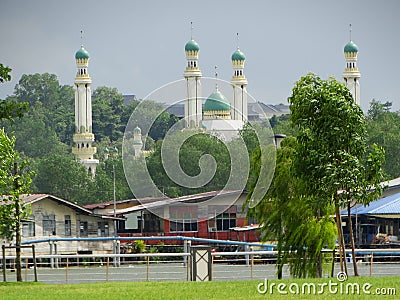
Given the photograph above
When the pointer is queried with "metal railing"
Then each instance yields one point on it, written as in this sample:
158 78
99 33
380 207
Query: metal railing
176 266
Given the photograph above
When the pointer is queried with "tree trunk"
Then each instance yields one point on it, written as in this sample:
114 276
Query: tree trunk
339 226
343 244
17 227
342 250
353 252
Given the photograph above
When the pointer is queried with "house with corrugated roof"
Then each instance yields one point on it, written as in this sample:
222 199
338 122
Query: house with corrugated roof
378 222
54 217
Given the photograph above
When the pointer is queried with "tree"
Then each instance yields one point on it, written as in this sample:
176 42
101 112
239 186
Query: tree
9 109
382 128
15 180
287 215
107 110
331 157
33 137
190 153
4 73
63 176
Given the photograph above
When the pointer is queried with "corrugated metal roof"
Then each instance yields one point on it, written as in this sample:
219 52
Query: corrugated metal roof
384 206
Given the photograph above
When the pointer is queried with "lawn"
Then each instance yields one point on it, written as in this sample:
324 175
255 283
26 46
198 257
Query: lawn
201 290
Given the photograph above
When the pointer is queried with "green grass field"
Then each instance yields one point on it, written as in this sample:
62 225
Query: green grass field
199 290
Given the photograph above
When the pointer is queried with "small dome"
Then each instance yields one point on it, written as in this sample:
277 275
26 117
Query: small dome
82 54
217 102
350 47
137 130
238 55
192 46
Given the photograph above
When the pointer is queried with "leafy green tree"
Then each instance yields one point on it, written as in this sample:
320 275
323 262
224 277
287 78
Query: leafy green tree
54 103
15 180
4 73
189 155
10 109
382 128
34 138
331 160
108 107
62 176
298 224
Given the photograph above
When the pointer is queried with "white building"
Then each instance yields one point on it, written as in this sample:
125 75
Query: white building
351 74
84 137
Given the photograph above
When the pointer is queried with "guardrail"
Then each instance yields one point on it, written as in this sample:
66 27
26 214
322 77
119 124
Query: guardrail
176 266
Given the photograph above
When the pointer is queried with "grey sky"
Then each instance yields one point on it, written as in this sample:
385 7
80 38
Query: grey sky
137 46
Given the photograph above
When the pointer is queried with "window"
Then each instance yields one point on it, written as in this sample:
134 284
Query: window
102 229
183 219
223 222
28 228
67 223
83 228
49 225
183 225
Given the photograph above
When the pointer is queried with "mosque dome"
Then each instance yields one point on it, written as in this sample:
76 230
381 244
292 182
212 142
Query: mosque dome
217 102
137 130
82 54
192 46
238 55
350 47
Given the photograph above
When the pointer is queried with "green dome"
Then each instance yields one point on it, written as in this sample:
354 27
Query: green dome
137 130
350 47
82 54
216 102
238 55
192 46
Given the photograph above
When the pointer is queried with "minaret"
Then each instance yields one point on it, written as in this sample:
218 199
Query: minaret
351 75
137 141
192 75
239 84
83 137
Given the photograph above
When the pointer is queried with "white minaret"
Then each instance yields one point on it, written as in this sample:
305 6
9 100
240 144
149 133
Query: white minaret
83 137
351 74
239 84
137 141
192 75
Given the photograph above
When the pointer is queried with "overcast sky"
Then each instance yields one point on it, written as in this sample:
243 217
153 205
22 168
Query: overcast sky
138 46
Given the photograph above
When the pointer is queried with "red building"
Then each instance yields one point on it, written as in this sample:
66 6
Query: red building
211 215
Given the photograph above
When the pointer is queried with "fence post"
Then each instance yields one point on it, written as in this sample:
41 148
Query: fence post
201 263
252 265
66 271
34 263
3 247
370 264
26 269
148 268
107 265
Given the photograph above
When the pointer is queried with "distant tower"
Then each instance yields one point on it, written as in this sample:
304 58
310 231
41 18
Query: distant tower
239 84
83 137
137 141
351 75
192 75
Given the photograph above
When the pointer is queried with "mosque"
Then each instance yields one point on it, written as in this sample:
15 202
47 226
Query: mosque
217 115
